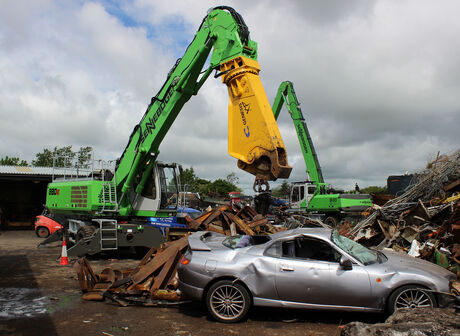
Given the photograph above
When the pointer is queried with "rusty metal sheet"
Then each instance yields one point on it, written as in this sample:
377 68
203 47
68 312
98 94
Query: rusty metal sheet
167 271
247 230
153 265
166 295
85 274
93 296
258 222
144 260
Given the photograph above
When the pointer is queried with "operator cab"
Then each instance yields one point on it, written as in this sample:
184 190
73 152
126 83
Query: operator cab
301 194
160 189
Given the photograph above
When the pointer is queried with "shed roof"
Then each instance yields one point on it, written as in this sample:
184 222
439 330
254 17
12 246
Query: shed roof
23 170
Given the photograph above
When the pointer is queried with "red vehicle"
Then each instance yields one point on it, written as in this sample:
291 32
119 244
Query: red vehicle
46 225
235 197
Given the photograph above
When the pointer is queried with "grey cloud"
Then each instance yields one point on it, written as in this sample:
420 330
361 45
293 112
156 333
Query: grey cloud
326 12
378 82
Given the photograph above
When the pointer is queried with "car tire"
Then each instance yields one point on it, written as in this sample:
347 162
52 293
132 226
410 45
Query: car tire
42 232
331 221
85 231
410 297
227 301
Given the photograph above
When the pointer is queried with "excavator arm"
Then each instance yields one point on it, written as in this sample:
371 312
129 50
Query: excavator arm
318 200
253 136
287 96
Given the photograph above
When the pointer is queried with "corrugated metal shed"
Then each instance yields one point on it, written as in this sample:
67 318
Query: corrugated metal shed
20 170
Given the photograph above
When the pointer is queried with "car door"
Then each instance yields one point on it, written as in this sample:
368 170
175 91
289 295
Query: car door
309 272
300 279
351 287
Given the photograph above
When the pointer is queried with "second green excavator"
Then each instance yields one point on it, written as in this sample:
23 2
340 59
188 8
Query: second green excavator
312 195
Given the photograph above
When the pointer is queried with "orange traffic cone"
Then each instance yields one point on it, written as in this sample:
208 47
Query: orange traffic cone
64 259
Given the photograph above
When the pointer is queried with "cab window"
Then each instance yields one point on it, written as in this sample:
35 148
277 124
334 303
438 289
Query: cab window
311 190
298 193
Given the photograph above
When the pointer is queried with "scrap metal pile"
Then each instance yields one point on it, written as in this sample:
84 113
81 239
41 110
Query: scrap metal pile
153 280
295 220
233 219
424 221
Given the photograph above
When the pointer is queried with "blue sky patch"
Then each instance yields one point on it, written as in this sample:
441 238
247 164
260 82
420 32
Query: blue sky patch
173 33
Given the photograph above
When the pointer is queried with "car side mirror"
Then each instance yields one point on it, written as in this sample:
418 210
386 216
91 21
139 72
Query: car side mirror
346 264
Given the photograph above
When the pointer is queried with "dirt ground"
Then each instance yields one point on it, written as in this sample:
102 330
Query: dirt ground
39 297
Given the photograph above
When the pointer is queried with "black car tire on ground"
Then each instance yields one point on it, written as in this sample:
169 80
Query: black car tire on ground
42 232
410 296
227 301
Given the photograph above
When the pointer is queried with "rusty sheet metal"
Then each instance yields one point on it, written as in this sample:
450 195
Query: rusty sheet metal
86 277
154 278
233 219
153 265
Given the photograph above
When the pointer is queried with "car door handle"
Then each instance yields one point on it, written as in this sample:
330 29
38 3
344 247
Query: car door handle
285 268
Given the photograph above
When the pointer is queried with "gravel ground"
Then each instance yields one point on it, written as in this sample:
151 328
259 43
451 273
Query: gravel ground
39 297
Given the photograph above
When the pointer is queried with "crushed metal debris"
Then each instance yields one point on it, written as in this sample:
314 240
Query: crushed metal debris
152 282
233 219
423 222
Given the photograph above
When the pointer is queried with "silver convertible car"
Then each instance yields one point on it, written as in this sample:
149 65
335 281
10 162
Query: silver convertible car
313 268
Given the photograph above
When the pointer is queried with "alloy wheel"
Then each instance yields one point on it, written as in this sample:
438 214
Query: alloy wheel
413 298
227 302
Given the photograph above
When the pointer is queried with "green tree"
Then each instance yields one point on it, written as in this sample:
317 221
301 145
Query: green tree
282 190
374 190
232 178
13 161
222 187
64 157
84 156
192 182
188 178
202 186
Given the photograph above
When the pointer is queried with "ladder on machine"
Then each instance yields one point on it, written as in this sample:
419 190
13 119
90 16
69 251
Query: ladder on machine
108 233
109 191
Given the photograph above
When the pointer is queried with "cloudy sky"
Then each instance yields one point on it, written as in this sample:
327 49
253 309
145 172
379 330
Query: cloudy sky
378 81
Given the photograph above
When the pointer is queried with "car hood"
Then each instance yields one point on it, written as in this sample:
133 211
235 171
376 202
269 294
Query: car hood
401 262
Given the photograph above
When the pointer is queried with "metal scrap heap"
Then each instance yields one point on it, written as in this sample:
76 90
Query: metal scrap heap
424 221
233 219
153 280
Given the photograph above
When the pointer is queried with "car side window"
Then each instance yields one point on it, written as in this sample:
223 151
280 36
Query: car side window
274 250
289 249
309 248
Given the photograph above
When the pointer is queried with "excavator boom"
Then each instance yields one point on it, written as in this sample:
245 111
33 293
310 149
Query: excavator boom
286 95
253 136
312 196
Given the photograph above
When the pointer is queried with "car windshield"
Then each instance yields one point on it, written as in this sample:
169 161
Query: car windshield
239 241
358 251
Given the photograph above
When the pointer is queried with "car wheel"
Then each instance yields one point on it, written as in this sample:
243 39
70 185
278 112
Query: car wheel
42 232
409 297
331 221
85 231
227 301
